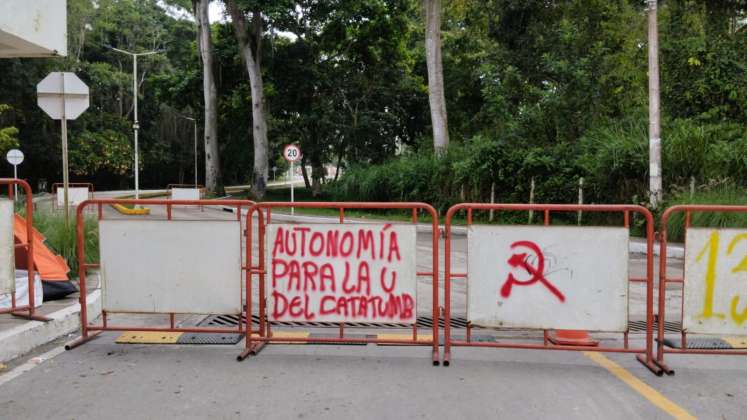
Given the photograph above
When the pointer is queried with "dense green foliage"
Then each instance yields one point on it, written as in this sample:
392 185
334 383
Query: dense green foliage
557 91
545 90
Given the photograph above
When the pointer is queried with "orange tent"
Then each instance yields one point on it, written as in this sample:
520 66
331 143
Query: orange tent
50 266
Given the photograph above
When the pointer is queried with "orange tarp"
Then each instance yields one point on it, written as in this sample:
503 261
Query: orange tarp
49 265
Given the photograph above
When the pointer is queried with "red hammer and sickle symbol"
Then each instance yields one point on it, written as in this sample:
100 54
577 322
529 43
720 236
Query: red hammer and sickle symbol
519 260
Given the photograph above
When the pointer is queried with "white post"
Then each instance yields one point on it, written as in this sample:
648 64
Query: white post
580 197
654 132
293 209
15 186
65 178
492 199
531 200
195 120
692 188
135 125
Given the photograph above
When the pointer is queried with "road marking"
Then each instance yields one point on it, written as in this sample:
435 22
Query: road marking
30 364
422 338
148 337
654 396
736 342
290 334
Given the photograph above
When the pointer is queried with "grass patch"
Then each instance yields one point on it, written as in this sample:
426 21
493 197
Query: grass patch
63 240
724 195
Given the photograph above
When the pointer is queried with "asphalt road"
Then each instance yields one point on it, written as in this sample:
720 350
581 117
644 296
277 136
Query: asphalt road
103 380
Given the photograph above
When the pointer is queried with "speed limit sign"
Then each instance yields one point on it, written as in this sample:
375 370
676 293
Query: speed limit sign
292 153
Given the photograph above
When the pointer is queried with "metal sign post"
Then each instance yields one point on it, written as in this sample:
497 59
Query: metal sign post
292 153
15 158
63 96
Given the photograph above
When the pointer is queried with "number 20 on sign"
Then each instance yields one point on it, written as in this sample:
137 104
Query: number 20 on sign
716 281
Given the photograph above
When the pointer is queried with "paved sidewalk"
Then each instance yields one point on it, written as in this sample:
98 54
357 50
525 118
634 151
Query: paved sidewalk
19 336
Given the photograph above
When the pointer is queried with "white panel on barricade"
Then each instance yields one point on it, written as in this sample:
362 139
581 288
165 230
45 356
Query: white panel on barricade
548 277
338 273
715 291
22 291
7 248
180 266
185 193
75 195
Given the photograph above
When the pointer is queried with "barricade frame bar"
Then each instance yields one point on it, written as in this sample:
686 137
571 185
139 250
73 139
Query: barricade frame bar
257 339
25 311
643 355
169 187
57 185
60 185
89 331
664 279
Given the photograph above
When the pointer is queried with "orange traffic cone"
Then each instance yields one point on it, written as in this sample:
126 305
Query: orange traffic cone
572 338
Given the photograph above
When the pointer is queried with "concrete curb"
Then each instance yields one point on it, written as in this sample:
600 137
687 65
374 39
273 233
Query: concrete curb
140 211
636 247
24 338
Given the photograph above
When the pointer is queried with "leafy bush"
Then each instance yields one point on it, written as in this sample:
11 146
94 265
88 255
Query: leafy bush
719 194
466 173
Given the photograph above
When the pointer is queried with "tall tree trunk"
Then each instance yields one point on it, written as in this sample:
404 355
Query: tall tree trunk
213 178
304 172
432 11
251 55
317 177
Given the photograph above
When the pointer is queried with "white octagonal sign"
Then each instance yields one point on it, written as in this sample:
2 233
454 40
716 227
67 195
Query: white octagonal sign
62 94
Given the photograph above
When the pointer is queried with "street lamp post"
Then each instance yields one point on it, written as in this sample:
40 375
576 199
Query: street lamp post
135 123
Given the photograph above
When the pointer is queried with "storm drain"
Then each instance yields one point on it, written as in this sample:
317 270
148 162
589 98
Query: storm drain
699 344
640 326
209 338
422 322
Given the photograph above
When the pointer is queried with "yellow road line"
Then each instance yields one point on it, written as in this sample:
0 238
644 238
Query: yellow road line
148 337
422 338
290 334
649 393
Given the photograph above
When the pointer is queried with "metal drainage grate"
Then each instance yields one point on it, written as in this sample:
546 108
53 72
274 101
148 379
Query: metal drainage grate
640 326
422 322
209 338
699 343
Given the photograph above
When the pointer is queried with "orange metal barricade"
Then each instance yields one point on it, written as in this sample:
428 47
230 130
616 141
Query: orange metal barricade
644 354
88 331
664 279
25 311
256 339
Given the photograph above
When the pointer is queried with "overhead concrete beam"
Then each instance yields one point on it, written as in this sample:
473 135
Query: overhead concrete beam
33 28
